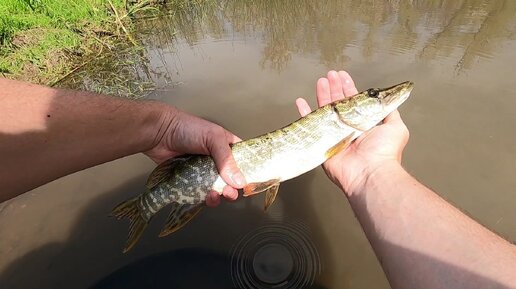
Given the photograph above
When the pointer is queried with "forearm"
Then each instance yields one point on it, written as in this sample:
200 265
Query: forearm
47 133
424 242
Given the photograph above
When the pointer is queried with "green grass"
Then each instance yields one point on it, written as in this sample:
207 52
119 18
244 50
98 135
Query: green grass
42 40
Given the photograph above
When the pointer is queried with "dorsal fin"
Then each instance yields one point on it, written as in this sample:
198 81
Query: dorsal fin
163 172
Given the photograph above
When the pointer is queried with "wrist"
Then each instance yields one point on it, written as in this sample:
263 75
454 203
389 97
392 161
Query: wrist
368 175
159 119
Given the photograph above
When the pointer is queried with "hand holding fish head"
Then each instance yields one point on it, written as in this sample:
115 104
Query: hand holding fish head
379 147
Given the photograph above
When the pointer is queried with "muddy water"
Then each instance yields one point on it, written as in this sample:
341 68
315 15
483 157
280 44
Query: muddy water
242 64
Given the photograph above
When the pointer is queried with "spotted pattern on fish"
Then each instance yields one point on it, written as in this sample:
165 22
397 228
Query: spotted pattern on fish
198 173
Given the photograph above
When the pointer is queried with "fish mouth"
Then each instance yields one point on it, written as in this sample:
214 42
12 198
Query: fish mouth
397 94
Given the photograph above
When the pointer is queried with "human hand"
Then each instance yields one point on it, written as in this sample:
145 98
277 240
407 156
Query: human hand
181 133
382 146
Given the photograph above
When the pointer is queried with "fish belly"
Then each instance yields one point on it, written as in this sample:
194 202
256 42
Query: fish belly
292 163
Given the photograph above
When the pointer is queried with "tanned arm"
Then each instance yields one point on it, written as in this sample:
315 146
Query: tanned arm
424 242
47 133
420 240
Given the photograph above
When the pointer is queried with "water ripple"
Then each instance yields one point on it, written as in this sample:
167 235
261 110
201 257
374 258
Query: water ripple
277 255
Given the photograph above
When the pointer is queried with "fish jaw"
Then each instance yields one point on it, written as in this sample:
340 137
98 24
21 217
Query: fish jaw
397 94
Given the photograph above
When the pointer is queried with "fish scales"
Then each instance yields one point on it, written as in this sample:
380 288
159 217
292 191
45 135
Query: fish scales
197 177
290 151
265 161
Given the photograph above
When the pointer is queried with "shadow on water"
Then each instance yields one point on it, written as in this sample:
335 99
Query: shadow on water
182 268
73 262
37 243
198 256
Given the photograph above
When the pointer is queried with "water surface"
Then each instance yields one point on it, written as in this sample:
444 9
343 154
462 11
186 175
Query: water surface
242 64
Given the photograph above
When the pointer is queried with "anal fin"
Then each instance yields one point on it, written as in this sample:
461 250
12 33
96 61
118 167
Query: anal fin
256 188
269 187
270 196
179 216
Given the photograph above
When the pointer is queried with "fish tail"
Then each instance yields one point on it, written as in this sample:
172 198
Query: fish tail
137 222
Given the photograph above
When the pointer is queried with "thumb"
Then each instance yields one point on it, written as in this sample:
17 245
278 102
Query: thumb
223 157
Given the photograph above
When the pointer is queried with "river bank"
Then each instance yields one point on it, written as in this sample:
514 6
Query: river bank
43 42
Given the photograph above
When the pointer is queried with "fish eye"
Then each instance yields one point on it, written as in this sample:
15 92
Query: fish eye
372 92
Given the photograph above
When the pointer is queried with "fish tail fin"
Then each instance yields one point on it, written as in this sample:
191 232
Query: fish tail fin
137 222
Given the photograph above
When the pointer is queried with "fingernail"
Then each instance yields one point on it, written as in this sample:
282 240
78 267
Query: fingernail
238 179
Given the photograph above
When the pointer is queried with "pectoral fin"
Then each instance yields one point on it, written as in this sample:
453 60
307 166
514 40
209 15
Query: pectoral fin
255 188
179 216
340 146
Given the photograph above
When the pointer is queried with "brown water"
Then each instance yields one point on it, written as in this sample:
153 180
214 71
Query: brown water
242 64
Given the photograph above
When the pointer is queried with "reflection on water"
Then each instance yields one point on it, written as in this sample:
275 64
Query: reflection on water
242 64
455 34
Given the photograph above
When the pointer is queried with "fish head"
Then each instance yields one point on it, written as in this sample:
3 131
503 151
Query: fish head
366 109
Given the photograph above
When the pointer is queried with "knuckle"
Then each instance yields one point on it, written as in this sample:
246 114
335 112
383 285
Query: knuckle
215 136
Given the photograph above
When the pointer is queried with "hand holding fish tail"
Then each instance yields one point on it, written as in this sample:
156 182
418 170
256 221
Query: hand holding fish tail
181 133
381 146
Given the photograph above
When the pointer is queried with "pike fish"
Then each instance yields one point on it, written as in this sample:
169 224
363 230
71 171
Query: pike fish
265 161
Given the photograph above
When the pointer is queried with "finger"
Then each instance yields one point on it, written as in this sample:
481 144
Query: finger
226 165
336 91
393 117
230 193
348 85
231 138
212 199
323 91
303 107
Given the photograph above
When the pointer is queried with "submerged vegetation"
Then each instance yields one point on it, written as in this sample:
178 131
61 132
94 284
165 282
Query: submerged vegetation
44 41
